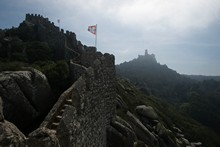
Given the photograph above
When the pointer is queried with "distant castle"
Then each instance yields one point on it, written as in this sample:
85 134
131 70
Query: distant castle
65 44
147 56
83 113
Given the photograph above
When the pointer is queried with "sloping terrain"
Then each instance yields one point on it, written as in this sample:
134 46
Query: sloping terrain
198 99
176 128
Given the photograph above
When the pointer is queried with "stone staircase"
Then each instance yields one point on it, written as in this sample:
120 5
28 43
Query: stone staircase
57 116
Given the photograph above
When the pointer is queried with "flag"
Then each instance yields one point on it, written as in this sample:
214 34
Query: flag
58 20
92 29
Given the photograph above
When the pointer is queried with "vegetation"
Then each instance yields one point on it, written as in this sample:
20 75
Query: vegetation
197 99
20 48
193 130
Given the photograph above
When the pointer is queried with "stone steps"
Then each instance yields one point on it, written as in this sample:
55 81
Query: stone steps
58 115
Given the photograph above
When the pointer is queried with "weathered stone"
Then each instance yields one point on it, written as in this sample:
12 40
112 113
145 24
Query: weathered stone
121 104
185 141
140 144
10 135
114 138
177 130
26 96
196 144
84 122
161 130
147 111
1 110
43 137
123 122
141 131
129 135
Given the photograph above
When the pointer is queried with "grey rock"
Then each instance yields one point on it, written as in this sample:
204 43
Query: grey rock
123 122
120 103
43 137
115 138
140 144
128 134
196 144
161 130
1 110
26 96
177 130
147 111
10 135
141 131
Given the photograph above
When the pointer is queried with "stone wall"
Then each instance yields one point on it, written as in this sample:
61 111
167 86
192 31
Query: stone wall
57 40
84 121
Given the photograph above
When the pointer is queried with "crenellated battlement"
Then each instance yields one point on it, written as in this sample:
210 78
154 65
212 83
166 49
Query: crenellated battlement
37 18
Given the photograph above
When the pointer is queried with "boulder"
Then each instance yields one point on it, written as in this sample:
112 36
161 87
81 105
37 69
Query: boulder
120 104
141 131
140 144
10 135
26 96
146 111
114 138
161 130
128 134
43 137
1 110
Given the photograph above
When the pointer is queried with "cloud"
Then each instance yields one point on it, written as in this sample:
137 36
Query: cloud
159 14
127 27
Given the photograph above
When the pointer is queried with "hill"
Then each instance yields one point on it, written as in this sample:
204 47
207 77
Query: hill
198 99
57 92
129 98
202 77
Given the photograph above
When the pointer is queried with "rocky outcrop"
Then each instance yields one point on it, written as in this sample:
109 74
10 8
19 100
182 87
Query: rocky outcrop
147 111
10 135
120 134
43 137
26 96
141 131
1 110
143 127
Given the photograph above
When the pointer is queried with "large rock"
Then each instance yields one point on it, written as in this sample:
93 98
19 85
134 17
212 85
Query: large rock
114 138
43 137
124 131
10 135
147 111
1 110
26 96
141 131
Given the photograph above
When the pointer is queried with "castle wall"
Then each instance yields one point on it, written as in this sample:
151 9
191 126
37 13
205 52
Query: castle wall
83 112
88 56
85 122
56 38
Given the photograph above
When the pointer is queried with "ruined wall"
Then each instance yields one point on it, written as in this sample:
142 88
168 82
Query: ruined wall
57 40
93 106
88 56
84 121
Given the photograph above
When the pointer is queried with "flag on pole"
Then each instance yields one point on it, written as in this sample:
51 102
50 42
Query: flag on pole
92 29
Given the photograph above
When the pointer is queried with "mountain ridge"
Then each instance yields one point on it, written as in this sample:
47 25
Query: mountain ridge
198 99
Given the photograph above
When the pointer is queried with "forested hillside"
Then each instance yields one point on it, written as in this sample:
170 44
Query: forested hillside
198 99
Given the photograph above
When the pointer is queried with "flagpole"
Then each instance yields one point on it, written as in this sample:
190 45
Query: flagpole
96 37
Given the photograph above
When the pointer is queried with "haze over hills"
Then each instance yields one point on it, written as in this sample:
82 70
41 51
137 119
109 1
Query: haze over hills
198 99
202 77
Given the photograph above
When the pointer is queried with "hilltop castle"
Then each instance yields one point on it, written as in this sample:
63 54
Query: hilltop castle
83 112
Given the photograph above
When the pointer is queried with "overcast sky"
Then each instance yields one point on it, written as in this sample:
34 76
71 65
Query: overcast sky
184 34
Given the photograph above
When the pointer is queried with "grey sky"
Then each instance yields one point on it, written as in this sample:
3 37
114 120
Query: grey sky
183 34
